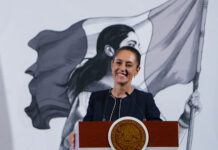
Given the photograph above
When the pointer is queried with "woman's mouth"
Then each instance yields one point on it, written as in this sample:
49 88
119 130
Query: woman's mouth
122 74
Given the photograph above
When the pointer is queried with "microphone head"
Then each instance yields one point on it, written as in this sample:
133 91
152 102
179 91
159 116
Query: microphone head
127 93
109 93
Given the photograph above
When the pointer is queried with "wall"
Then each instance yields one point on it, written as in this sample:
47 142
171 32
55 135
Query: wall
21 20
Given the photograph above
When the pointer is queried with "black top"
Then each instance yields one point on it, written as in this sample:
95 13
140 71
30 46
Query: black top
138 104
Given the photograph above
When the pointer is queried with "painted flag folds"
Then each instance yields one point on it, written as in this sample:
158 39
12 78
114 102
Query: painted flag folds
173 53
169 38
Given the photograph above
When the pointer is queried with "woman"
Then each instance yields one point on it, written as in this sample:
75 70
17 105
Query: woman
122 100
95 73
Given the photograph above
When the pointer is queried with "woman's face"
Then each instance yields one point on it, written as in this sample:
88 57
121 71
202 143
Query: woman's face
131 40
124 67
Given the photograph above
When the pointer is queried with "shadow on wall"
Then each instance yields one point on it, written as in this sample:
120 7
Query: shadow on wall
5 127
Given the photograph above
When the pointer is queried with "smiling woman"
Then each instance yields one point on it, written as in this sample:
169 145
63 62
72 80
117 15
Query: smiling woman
95 73
122 100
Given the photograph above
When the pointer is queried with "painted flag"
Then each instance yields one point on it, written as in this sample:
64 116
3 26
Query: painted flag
169 38
173 53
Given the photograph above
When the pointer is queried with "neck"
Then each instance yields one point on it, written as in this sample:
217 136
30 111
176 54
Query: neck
120 90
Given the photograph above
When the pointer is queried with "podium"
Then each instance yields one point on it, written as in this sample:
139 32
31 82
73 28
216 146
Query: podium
163 135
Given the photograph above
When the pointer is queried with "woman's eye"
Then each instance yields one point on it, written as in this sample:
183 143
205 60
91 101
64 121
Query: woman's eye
131 44
128 65
118 63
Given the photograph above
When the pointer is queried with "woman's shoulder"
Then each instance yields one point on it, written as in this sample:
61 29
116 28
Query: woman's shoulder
142 93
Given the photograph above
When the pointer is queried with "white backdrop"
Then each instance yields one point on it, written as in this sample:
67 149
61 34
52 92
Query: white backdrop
22 20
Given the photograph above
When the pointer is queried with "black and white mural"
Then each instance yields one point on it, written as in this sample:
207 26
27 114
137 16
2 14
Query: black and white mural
70 46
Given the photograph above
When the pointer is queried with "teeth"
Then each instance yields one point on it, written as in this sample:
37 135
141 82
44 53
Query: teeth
121 74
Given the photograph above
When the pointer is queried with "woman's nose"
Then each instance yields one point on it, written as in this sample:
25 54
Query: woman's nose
122 67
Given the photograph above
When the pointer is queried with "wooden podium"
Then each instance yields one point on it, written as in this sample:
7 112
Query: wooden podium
163 135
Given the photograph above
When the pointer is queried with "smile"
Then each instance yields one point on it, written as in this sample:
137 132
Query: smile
122 74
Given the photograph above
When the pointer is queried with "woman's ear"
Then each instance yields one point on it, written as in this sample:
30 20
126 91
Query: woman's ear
137 70
109 51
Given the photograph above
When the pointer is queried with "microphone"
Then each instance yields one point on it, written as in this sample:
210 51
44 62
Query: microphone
144 118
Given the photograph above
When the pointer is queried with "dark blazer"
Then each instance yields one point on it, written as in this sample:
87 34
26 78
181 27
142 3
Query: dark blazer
138 104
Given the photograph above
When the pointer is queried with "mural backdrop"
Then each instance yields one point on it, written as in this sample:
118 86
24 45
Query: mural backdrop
70 44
